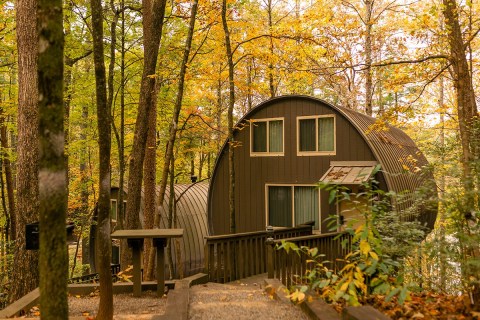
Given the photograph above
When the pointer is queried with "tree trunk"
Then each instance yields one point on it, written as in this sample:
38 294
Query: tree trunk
7 166
53 264
174 124
84 194
271 83
465 96
103 241
153 14
149 184
368 58
26 262
467 116
231 104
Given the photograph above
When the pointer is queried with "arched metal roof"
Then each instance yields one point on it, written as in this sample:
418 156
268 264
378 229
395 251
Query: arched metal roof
192 217
404 166
401 160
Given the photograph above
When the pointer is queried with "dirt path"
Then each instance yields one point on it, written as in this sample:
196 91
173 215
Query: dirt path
240 301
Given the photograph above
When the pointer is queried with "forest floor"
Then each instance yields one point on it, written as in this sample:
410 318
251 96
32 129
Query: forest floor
424 306
125 306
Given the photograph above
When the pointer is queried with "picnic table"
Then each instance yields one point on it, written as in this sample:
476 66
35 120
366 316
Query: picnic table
135 241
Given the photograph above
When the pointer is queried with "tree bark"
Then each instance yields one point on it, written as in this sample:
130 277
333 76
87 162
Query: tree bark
465 95
53 264
84 194
231 104
7 166
174 124
149 184
271 83
26 262
153 15
368 58
467 118
103 241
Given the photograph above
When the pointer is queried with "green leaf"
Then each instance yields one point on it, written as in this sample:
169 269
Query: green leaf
332 196
392 293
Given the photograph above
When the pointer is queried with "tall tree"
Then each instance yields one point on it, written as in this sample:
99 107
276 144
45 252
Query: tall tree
231 104
468 125
153 15
103 243
52 170
26 262
465 95
174 124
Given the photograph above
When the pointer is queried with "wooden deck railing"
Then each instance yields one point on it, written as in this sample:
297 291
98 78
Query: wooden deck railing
236 256
285 266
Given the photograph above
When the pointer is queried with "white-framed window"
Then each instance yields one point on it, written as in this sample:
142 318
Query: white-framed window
292 205
316 135
266 137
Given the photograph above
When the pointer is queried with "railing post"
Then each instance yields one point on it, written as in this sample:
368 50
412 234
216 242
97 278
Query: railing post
270 252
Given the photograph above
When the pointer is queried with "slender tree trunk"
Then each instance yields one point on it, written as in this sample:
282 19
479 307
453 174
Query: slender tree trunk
52 171
26 262
7 166
103 241
174 124
466 105
153 15
271 83
368 58
150 183
84 194
231 104
467 118
441 186
171 208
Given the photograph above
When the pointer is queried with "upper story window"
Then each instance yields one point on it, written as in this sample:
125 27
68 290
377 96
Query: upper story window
266 137
316 135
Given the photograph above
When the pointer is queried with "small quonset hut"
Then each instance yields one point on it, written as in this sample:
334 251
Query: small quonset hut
286 145
191 215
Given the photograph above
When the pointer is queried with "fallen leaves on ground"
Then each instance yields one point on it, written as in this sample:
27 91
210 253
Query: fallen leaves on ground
427 306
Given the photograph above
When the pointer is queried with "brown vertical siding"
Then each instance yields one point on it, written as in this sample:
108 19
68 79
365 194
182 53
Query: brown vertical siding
352 144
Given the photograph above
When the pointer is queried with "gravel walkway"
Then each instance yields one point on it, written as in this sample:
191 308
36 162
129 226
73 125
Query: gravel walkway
213 301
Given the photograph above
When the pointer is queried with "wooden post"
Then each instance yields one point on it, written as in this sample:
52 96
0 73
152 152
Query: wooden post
160 243
137 247
270 257
270 251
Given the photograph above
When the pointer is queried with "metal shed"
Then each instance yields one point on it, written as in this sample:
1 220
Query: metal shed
191 211
192 217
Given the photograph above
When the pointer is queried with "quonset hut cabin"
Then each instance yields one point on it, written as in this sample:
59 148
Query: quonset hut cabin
286 145
191 216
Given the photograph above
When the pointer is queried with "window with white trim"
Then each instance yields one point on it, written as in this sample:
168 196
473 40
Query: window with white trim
316 135
266 137
292 205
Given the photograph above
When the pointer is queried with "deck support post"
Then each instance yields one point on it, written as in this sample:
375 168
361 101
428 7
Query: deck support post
160 244
270 252
137 247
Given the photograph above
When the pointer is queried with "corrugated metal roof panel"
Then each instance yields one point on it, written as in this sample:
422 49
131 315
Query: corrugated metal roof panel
191 213
402 162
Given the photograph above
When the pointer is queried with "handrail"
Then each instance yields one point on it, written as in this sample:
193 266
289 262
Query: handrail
309 237
289 266
235 256
276 230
